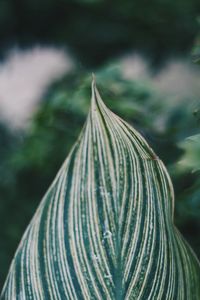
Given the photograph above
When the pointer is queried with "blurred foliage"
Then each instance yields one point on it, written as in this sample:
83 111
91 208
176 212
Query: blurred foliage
189 206
196 48
96 30
9 233
32 164
190 160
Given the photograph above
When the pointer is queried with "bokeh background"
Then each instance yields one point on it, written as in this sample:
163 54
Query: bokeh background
145 56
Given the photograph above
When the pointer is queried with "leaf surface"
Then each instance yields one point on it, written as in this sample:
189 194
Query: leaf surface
104 229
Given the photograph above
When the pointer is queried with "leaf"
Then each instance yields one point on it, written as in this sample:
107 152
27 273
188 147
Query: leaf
104 229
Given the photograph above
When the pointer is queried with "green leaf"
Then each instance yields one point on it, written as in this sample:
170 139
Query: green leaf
104 229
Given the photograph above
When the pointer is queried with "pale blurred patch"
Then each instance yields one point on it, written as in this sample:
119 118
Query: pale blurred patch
179 77
25 77
134 67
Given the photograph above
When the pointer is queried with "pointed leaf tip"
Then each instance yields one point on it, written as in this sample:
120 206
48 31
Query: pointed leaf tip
94 92
93 85
93 78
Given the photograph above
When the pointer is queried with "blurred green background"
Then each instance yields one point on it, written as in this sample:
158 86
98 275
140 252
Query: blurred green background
145 56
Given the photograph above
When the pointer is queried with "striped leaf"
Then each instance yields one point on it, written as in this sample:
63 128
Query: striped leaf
104 229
